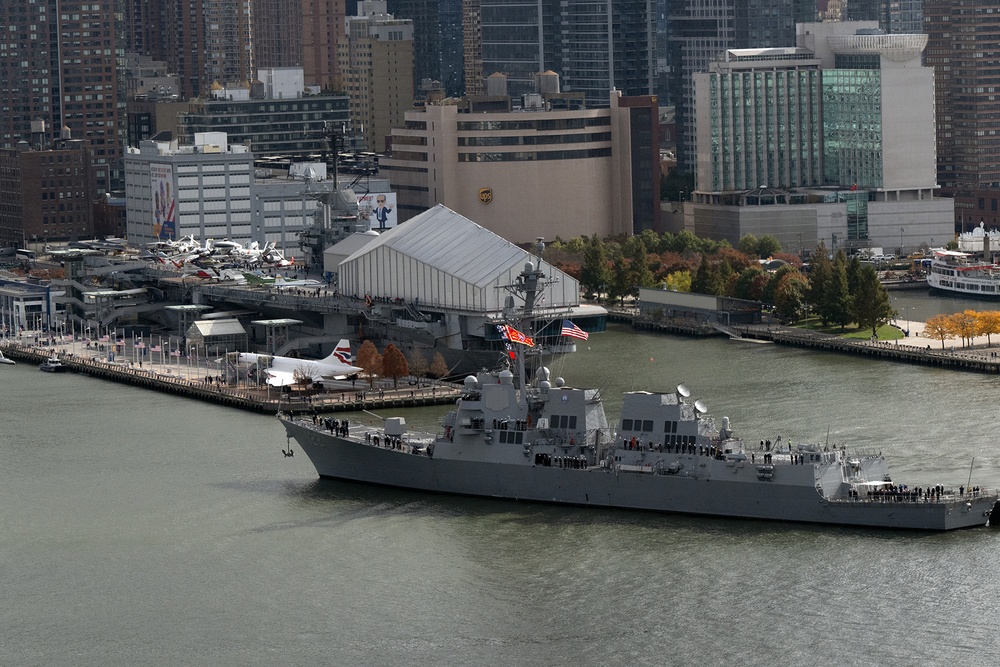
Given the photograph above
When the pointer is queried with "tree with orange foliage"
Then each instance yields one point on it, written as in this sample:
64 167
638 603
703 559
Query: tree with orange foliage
989 324
394 364
370 360
939 327
964 325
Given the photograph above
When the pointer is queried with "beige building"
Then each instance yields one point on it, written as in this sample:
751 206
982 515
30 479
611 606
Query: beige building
526 174
376 65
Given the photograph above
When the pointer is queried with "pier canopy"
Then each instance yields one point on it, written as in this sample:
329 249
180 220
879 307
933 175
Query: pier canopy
217 336
442 259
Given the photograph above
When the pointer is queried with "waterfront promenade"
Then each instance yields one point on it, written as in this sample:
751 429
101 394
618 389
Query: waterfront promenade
203 381
981 354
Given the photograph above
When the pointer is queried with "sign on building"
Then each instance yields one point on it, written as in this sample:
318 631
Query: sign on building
379 209
161 177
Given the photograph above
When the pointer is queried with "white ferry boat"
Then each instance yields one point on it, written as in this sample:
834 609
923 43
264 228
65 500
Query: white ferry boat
964 273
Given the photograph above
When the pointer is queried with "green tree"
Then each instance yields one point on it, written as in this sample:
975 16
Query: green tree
370 360
394 364
748 245
854 274
595 274
870 304
820 277
838 294
638 263
767 246
790 296
744 288
707 280
620 284
770 290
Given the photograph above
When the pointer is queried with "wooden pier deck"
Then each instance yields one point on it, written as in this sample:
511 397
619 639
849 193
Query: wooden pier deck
264 400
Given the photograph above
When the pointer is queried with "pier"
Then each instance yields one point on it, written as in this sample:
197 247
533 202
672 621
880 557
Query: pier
269 400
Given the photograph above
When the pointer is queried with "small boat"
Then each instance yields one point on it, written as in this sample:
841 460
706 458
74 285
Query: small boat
53 365
5 360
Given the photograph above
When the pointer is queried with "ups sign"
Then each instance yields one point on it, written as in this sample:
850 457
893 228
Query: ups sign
486 195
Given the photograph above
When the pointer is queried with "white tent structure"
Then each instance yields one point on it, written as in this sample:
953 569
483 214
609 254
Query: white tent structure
440 259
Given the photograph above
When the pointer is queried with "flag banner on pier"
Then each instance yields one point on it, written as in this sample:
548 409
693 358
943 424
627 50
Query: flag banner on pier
514 336
570 329
155 348
175 353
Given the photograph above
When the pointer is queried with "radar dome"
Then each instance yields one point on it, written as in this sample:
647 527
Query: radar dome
506 377
471 382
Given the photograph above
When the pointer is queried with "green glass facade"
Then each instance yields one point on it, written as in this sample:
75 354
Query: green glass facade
852 127
765 129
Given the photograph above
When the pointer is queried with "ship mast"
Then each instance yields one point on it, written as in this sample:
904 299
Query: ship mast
526 287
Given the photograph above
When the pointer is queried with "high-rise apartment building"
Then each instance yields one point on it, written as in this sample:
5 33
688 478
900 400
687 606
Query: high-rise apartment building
702 29
424 14
376 64
58 66
206 42
894 16
322 32
593 47
964 50
276 34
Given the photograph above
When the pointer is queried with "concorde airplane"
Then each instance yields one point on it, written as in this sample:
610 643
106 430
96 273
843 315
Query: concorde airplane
283 371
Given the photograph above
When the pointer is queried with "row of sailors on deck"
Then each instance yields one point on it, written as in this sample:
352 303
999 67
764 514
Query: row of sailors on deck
902 493
338 426
635 444
389 441
560 461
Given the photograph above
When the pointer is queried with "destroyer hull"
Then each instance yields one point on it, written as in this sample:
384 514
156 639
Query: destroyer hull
737 493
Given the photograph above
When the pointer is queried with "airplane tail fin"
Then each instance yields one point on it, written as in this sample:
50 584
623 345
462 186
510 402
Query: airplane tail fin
341 353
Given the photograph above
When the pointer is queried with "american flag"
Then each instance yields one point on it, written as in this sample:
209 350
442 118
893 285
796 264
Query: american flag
570 329
155 348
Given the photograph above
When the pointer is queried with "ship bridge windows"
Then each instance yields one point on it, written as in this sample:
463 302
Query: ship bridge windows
670 427
562 421
511 437
642 425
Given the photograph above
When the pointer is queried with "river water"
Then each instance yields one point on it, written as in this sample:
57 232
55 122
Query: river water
143 529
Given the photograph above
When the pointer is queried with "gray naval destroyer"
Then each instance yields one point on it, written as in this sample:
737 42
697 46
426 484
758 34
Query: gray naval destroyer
547 442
